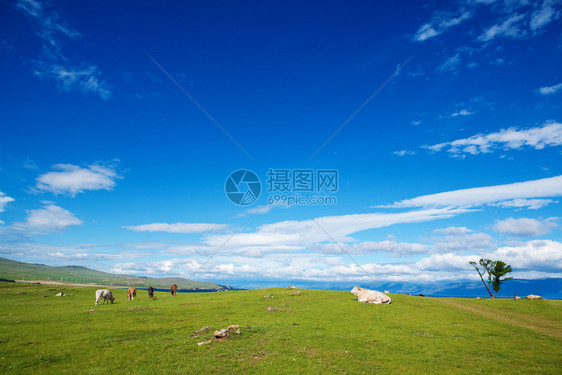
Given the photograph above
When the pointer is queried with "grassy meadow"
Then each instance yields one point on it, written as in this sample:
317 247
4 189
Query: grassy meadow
314 332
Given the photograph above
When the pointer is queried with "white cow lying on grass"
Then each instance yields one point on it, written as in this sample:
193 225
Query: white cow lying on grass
105 294
370 296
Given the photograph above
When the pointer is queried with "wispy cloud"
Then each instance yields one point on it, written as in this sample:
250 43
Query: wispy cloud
525 227
462 112
178 227
48 25
82 78
261 210
404 152
397 249
511 19
511 28
546 187
550 134
549 11
451 64
4 199
549 90
54 63
441 21
452 230
531 204
307 232
71 179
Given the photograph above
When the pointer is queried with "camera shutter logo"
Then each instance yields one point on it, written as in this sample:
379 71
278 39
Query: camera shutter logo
242 187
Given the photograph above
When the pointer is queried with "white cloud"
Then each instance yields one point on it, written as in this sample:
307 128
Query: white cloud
260 210
546 187
85 78
455 243
178 227
537 255
511 27
404 152
525 227
441 21
397 249
533 259
4 199
169 267
545 14
452 230
549 90
426 31
462 112
308 232
50 218
450 64
54 64
550 134
49 26
85 256
511 19
71 179
531 204
450 262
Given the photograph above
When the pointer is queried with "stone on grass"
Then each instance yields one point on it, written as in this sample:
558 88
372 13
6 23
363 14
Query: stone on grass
201 330
533 296
220 334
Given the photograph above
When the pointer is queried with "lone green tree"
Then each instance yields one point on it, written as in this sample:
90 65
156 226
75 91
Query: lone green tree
498 275
494 271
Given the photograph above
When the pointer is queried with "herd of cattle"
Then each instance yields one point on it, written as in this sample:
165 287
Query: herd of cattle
131 294
363 295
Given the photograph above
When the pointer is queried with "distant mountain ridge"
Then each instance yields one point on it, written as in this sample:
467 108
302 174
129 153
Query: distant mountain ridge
547 288
11 269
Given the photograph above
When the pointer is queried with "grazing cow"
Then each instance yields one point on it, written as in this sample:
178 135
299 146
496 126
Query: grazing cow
150 292
105 294
132 293
370 296
173 289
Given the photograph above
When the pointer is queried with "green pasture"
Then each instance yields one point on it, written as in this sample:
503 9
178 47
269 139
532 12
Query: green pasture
314 332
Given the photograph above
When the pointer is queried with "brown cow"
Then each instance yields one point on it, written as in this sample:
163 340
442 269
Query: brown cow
173 289
150 292
132 293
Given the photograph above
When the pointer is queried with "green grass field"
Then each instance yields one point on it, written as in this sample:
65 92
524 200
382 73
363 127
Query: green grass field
315 332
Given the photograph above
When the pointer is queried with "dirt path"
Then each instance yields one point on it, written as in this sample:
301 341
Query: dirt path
546 327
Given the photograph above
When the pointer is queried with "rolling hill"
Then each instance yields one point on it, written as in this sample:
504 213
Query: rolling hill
10 269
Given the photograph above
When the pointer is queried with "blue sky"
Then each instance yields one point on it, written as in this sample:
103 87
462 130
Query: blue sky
120 125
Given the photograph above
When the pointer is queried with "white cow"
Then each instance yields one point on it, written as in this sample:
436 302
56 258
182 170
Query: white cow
105 294
370 296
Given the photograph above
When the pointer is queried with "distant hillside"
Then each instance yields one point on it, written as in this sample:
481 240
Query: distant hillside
547 288
10 269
